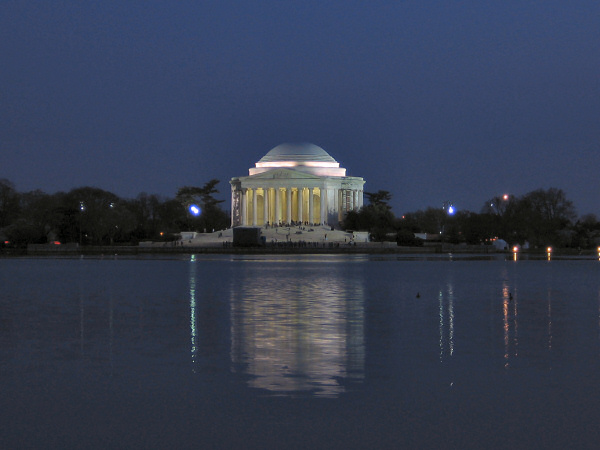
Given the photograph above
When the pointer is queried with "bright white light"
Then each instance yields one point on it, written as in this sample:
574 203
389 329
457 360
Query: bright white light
194 210
450 209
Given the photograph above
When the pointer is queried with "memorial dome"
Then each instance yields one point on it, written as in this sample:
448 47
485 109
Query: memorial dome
301 157
297 152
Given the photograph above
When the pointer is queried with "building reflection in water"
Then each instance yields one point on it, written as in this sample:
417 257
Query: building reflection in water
298 328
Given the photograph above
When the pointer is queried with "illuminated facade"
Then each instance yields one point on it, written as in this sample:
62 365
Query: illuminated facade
294 184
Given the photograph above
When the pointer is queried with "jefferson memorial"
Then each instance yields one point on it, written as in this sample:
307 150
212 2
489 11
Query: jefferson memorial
294 184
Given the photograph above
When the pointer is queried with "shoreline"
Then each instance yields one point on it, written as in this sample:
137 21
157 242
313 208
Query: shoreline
278 249
48 249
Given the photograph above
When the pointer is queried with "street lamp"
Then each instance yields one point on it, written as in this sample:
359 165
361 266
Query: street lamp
449 207
81 211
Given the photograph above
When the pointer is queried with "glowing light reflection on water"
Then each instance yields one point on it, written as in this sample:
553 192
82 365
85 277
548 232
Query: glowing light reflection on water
296 333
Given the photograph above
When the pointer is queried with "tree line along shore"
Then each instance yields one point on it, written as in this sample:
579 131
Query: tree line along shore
93 217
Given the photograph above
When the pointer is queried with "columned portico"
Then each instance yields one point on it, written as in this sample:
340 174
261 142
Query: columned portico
295 184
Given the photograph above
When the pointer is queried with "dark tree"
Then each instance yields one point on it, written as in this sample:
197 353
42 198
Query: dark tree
204 196
542 217
172 217
496 205
379 198
145 208
9 203
212 217
378 220
36 212
477 229
552 206
99 214
586 232
428 221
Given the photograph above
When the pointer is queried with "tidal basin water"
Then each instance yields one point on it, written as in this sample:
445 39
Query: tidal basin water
321 351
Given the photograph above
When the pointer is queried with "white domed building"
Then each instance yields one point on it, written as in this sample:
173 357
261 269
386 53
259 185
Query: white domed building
294 184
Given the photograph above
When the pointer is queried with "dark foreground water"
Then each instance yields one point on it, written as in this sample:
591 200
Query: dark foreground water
299 352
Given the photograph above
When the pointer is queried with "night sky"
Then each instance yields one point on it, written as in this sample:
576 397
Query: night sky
431 100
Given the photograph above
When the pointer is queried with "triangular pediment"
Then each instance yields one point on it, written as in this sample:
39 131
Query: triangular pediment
278 174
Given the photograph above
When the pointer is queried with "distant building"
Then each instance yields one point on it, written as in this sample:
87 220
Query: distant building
294 183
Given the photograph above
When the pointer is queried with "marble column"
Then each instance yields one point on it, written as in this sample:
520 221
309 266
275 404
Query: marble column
354 199
311 204
244 208
265 206
300 201
323 218
254 208
277 206
288 205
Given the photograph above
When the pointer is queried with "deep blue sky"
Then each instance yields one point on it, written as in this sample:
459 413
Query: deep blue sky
430 100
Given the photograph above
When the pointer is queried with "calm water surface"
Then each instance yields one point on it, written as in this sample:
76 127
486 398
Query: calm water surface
323 351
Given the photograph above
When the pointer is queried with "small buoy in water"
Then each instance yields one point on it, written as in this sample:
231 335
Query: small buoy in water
418 295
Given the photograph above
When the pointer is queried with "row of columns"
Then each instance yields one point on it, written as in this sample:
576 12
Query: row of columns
343 200
350 199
